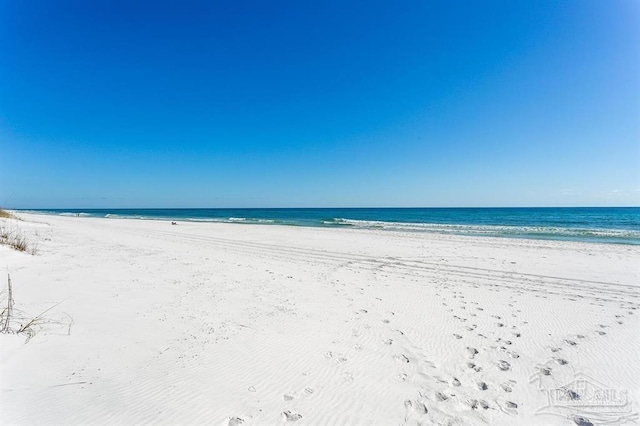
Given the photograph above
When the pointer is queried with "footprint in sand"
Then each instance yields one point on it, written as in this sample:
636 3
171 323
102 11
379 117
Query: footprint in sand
504 365
416 406
347 377
472 352
401 358
441 397
455 382
582 421
288 416
508 386
572 395
475 404
570 342
457 336
234 421
561 361
474 367
287 397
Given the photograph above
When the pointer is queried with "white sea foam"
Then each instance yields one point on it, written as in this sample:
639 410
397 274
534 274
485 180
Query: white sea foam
489 230
204 220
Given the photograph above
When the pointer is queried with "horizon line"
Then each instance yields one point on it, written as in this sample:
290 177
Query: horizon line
319 208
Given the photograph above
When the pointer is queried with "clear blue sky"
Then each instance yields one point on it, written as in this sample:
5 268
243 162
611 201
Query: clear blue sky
319 103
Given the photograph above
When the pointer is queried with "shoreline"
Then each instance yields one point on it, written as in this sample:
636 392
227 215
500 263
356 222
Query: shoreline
207 323
618 236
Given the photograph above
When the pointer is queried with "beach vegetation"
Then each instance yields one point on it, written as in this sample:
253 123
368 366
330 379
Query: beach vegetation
8 215
13 321
16 239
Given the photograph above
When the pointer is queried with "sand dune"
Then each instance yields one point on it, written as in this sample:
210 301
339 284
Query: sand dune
243 324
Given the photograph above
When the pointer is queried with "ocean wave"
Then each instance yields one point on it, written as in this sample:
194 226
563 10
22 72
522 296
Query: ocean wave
57 213
337 222
201 219
491 230
249 220
132 216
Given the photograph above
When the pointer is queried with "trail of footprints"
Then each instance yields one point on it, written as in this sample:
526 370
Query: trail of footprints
474 310
466 391
503 344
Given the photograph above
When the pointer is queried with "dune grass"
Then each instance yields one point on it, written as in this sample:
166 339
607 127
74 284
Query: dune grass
7 215
14 321
16 239
11 235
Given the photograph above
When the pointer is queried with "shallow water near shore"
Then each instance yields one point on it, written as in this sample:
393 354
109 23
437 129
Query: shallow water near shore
613 225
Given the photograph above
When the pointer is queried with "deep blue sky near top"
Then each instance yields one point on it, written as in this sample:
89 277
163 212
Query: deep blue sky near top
319 103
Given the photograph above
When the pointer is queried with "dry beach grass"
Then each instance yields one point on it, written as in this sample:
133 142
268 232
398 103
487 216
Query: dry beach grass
12 235
7 215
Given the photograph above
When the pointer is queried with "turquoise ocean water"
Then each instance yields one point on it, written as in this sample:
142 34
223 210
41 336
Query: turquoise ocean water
602 224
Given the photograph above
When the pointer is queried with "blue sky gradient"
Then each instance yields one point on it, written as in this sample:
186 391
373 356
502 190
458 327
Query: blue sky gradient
319 103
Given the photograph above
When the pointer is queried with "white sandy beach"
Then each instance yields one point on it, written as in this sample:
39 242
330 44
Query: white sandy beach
210 323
